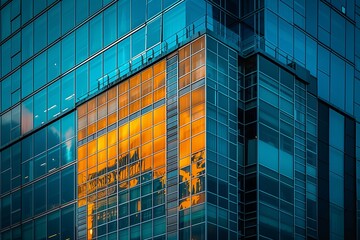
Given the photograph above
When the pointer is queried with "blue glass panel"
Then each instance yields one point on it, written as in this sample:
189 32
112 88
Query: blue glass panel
53 134
95 72
95 5
5 211
40 165
67 184
53 104
5 93
39 141
53 190
27 202
82 10
336 129
138 42
68 12
39 5
40 33
81 81
174 20
110 63
27 79
27 42
96 34
153 7
124 17
268 149
336 162
26 10
337 82
40 71
138 12
153 32
68 52
110 24
68 92
53 225
54 28
54 62
53 160
40 196
5 58
82 43
67 222
40 228
40 116
349 94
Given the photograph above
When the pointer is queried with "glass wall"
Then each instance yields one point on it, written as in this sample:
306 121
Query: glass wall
121 158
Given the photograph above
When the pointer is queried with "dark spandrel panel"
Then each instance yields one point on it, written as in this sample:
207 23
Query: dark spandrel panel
268 68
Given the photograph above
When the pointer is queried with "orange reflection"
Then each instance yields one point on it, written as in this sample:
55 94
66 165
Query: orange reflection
115 157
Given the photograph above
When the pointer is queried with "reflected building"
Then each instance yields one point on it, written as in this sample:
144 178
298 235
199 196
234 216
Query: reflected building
188 119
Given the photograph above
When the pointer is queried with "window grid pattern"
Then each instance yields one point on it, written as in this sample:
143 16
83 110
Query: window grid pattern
122 158
221 146
287 146
191 119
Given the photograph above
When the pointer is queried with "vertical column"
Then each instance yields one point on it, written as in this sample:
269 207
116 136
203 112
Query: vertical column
172 146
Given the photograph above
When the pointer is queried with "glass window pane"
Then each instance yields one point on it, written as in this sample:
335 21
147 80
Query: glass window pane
67 222
110 26
68 52
138 12
68 12
153 32
53 190
40 196
53 225
40 32
124 17
82 86
138 42
54 62
82 10
40 71
40 228
67 184
41 108
27 202
68 92
96 34
53 109
54 30
82 42
27 78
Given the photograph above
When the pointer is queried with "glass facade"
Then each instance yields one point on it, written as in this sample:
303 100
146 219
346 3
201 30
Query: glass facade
186 119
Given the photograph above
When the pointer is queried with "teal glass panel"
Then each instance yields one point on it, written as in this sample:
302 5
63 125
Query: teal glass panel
53 104
174 20
96 34
40 68
81 81
40 33
82 43
153 7
27 78
26 10
138 42
53 190
27 202
123 17
110 25
40 196
53 61
53 225
68 184
54 27
40 228
153 32
82 10
68 92
68 53
27 42
138 12
40 116
67 222
68 12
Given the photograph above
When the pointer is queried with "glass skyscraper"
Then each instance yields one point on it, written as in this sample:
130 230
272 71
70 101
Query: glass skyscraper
179 119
